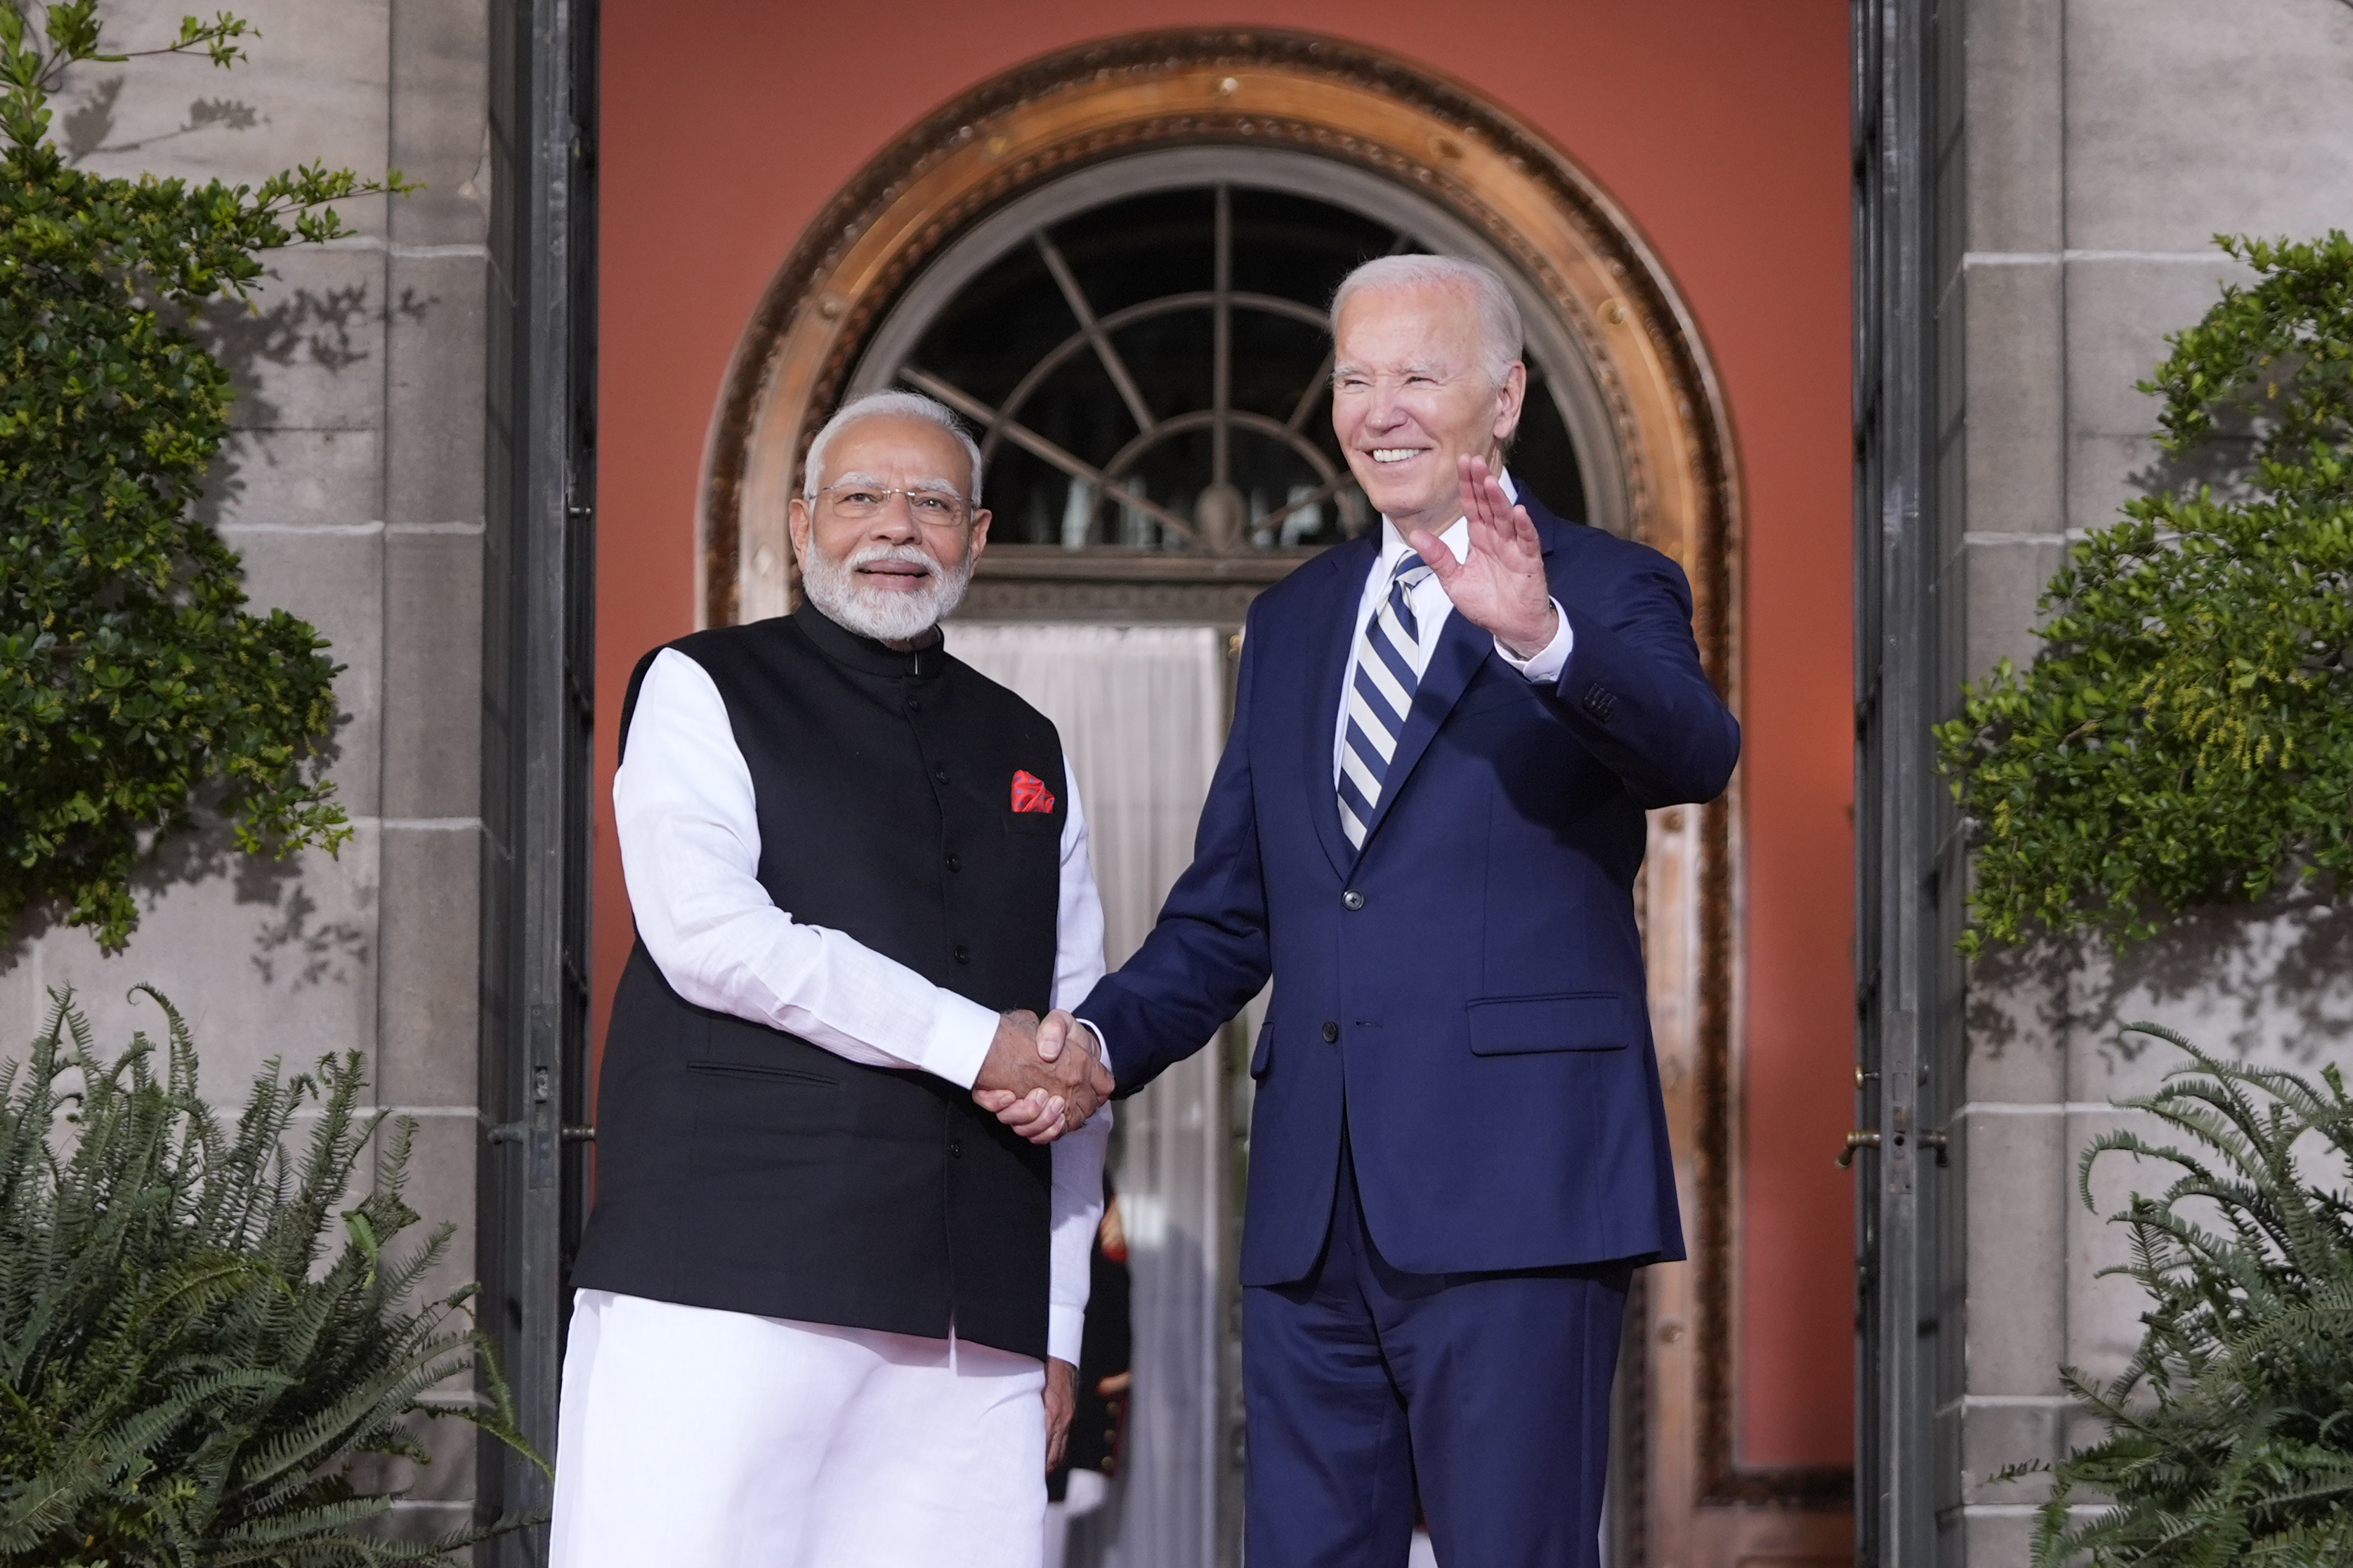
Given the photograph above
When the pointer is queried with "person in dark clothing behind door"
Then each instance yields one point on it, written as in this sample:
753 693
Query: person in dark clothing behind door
823 1288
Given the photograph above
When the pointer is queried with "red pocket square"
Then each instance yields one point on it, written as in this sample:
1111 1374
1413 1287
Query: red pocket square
1030 791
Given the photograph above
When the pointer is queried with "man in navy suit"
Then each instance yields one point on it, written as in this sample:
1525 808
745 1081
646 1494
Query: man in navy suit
1425 829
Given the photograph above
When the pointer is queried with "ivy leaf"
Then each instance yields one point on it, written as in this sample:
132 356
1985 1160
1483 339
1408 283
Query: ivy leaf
2185 735
133 679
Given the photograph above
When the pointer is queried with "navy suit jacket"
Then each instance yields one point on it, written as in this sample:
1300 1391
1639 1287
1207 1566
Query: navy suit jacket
1466 993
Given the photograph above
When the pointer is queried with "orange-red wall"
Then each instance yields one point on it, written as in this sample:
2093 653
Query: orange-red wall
1720 125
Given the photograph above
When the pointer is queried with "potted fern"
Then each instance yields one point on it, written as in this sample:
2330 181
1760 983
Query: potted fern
2230 1432
201 1331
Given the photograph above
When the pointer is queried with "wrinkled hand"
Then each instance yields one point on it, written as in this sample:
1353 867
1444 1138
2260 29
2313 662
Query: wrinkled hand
1061 1404
1029 1082
1502 585
1031 1118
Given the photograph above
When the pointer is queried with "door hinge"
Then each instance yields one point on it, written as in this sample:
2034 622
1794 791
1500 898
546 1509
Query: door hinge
517 1132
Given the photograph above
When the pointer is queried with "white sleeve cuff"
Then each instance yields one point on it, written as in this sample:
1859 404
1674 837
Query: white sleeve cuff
1066 1327
957 1043
1544 667
1103 1047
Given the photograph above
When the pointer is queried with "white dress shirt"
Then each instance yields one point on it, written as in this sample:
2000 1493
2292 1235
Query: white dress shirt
1431 609
684 814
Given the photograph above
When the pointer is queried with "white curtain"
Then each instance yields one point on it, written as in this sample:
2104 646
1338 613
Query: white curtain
1141 711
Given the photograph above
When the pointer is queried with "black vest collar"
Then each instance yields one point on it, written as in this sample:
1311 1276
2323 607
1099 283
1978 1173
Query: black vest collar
843 646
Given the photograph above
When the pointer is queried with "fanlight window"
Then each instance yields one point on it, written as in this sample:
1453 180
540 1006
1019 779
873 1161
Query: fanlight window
1152 373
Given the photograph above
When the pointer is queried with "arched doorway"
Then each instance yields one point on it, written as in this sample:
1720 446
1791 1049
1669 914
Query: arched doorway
992 256
1355 130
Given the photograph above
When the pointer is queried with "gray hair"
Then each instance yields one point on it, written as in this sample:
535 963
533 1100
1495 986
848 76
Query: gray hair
1499 313
898 404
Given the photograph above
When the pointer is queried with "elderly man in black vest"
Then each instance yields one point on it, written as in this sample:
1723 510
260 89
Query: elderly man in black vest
824 1287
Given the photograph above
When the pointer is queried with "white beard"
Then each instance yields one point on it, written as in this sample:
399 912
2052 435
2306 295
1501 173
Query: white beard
885 614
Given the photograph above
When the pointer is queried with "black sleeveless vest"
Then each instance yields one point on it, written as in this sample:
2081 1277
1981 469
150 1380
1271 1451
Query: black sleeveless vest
742 1168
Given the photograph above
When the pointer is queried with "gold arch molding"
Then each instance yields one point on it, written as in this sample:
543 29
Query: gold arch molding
1575 249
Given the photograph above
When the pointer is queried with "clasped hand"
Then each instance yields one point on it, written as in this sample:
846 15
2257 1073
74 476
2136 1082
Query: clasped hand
1041 1078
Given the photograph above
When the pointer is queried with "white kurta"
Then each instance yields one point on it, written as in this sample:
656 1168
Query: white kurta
694 1438
697 1438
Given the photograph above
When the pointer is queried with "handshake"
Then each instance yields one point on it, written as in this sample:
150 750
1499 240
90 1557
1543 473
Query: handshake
1041 1078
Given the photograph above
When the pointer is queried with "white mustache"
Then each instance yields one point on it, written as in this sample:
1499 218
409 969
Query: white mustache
910 555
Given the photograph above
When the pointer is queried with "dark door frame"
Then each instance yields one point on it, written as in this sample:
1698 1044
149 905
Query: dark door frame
539 597
1906 864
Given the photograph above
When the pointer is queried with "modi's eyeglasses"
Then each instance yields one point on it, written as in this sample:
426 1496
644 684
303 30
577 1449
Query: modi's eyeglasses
857 502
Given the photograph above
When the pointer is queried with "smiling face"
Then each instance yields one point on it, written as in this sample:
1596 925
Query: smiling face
1412 394
889 572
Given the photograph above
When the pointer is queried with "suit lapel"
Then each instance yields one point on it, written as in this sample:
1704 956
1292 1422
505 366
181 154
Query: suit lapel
1335 627
1463 647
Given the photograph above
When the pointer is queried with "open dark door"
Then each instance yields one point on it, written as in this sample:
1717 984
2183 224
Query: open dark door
1905 975
538 688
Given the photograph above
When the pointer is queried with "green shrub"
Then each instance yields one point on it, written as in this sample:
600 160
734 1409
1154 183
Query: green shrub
2186 733
187 1369
2230 1432
132 680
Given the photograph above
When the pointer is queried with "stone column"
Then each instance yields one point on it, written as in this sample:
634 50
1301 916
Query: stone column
353 486
2103 143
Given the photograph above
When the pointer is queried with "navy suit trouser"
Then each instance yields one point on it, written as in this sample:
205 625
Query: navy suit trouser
1488 1392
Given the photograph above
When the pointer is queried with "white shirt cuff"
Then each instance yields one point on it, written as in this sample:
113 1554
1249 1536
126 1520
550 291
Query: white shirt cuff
1066 1326
958 1040
1544 667
1103 1047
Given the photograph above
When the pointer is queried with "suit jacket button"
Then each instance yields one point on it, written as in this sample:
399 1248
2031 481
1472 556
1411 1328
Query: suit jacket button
956 1151
963 955
1353 899
1331 1033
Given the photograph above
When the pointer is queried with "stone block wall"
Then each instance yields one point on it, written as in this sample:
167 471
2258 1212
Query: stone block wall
2091 150
352 485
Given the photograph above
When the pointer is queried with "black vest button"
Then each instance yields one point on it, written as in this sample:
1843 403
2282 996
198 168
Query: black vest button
1331 1033
955 862
940 773
1353 899
963 954
914 704
956 1151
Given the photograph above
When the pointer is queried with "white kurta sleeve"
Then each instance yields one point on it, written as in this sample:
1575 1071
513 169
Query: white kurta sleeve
1077 1201
689 830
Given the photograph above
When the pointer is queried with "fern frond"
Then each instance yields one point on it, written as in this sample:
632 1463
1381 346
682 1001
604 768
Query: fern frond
2230 1430
180 1383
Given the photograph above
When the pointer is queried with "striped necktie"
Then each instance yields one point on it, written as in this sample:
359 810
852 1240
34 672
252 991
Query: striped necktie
1388 669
